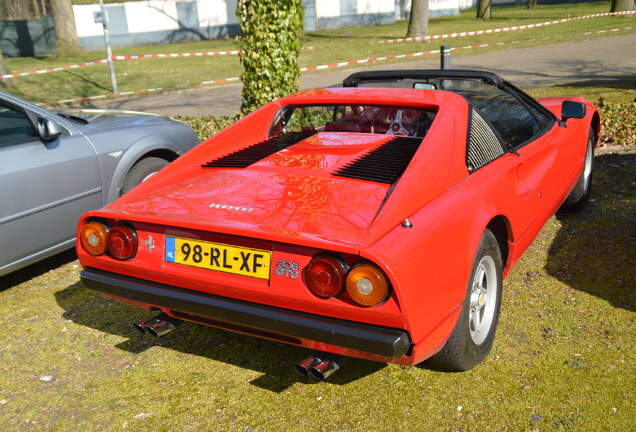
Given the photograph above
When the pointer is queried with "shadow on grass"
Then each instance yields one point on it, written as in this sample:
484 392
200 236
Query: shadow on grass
274 360
595 250
624 82
27 273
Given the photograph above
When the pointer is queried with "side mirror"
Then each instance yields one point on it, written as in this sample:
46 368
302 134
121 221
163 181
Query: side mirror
48 129
571 109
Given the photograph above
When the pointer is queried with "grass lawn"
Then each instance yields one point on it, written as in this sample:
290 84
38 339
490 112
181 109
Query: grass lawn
564 358
616 91
337 46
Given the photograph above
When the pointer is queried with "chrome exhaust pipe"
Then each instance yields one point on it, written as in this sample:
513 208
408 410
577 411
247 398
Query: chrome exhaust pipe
325 368
304 366
320 365
157 326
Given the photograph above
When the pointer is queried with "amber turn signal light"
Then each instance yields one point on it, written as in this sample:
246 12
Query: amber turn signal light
367 285
93 238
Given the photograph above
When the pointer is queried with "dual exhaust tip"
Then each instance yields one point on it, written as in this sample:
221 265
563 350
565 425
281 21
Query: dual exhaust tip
157 326
320 365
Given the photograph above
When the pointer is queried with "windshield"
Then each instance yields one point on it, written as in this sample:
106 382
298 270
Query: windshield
375 119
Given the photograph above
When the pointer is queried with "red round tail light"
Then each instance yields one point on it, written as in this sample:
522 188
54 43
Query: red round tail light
122 242
93 238
325 276
367 284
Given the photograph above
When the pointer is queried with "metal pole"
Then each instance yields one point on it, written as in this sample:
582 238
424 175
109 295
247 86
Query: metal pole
445 59
109 51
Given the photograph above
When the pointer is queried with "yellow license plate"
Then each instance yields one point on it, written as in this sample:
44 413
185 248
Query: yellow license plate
220 257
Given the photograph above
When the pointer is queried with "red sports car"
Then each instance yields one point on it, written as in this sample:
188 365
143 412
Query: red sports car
374 220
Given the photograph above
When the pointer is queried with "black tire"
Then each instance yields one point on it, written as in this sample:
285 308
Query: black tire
474 333
580 195
141 171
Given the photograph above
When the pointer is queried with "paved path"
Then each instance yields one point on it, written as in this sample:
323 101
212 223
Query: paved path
592 61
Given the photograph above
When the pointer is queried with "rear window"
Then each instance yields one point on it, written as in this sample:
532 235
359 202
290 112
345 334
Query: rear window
375 119
515 121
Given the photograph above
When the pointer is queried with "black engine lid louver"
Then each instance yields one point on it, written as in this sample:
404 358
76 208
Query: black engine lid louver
384 164
259 151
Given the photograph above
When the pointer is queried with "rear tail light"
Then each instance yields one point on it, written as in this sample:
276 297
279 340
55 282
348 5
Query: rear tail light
122 242
325 276
93 238
367 284
328 276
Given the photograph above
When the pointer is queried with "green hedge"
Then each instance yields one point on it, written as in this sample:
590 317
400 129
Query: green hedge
207 126
619 124
270 45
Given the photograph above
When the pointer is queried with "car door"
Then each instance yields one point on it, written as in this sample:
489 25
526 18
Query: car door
44 185
527 132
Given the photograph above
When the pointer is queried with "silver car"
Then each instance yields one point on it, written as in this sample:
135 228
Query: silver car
54 167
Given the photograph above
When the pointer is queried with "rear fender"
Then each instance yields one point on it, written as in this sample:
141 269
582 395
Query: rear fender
429 266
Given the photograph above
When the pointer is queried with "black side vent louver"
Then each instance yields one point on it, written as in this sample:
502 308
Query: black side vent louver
384 164
256 152
483 144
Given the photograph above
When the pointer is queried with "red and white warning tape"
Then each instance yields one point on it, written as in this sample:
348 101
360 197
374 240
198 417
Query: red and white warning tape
128 93
500 30
199 54
133 57
222 53
393 57
119 58
43 71
327 66
471 33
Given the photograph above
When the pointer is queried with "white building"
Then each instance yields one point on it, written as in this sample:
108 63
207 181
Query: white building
157 22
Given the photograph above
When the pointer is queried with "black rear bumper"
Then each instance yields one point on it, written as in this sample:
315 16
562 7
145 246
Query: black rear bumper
252 318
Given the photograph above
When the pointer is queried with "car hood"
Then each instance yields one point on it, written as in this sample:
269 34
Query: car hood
294 193
108 119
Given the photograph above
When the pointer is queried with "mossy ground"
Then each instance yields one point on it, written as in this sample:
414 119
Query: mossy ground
563 359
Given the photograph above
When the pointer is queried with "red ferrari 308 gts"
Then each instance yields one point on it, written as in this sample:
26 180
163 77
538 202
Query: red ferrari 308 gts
374 220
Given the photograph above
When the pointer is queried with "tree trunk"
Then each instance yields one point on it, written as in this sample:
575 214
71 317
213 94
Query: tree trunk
418 21
35 7
484 9
4 83
66 41
532 4
622 5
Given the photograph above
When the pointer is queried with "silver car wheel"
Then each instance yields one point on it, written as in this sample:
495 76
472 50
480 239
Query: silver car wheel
148 176
142 171
589 163
483 300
